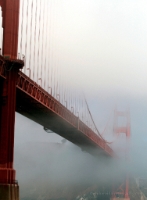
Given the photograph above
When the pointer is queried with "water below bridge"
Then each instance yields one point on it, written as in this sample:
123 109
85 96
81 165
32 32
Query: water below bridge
49 170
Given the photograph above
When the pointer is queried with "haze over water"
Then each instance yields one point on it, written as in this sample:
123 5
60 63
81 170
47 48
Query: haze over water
100 45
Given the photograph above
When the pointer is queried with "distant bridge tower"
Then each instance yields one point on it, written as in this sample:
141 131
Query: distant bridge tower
123 190
10 14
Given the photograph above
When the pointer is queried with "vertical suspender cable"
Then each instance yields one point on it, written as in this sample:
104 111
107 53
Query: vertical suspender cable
55 52
31 33
26 35
54 57
42 50
35 42
38 43
57 57
51 52
49 49
93 121
21 32
46 44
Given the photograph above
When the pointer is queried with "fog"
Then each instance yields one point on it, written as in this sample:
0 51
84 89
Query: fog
47 166
99 48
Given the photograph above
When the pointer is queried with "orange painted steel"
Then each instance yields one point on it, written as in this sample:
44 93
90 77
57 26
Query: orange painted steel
18 91
7 119
124 188
8 77
10 14
48 102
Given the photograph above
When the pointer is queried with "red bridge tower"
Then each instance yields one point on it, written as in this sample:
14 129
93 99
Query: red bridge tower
10 14
123 191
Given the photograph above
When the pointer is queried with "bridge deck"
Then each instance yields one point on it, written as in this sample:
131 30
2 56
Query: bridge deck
35 103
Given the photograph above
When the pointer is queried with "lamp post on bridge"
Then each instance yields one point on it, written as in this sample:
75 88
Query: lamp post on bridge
78 119
72 109
50 89
58 95
40 79
29 72
66 103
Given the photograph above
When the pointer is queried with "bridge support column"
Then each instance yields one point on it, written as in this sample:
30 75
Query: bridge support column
8 186
9 191
123 190
10 14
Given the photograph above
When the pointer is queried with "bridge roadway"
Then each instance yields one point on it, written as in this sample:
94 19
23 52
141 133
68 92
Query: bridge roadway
36 104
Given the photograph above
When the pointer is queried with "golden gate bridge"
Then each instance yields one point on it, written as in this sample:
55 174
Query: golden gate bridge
31 84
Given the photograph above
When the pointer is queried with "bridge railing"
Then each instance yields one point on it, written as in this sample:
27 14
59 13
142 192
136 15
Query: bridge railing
38 93
32 89
94 137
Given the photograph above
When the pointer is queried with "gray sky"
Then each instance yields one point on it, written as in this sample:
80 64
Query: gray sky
100 47
100 44
104 44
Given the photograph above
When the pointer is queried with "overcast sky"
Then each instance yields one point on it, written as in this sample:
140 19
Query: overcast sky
104 44
94 46
101 43
100 47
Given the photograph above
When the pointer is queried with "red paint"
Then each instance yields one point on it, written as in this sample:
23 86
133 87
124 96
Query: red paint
10 13
34 91
7 121
126 130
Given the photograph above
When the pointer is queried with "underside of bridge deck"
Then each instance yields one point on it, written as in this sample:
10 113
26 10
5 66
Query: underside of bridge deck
37 112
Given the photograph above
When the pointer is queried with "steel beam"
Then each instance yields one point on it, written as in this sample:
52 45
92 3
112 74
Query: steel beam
42 101
10 14
7 121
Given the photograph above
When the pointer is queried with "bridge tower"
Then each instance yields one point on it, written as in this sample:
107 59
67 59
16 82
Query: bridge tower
123 190
10 13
